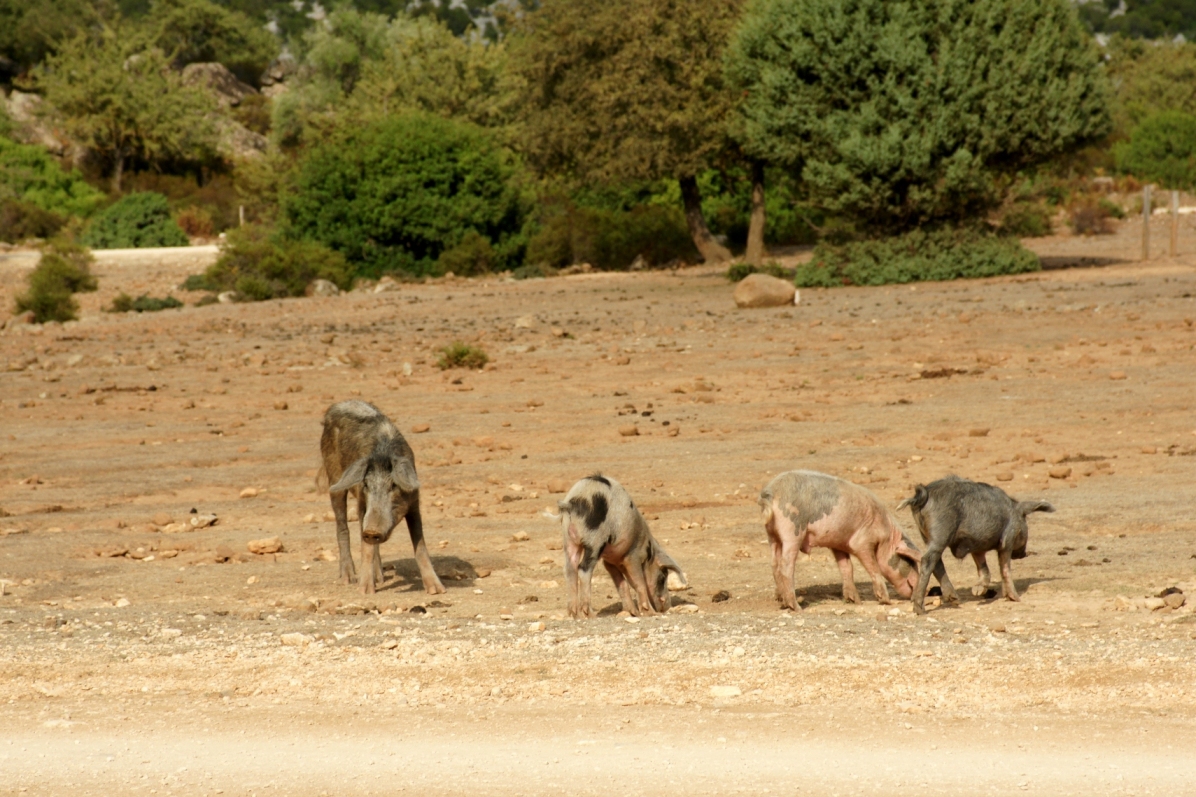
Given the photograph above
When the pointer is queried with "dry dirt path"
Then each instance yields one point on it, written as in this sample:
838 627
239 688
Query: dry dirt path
124 637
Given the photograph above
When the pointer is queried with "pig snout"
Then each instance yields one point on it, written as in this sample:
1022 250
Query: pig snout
376 526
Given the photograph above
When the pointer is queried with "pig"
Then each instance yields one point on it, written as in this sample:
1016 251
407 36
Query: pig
364 454
804 509
600 521
969 518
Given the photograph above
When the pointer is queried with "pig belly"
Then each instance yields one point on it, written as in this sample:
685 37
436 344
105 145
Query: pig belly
828 532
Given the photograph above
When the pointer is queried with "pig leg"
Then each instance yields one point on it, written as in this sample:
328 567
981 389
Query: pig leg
843 559
616 575
875 569
1003 558
585 574
932 562
980 558
340 508
378 576
427 574
635 574
573 553
782 534
369 550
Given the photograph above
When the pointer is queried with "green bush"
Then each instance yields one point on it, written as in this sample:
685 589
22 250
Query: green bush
1026 220
399 192
135 221
64 269
612 239
533 271
739 271
259 264
124 303
20 221
31 174
1162 149
474 255
461 355
915 256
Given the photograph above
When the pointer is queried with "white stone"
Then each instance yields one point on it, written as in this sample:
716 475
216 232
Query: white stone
725 691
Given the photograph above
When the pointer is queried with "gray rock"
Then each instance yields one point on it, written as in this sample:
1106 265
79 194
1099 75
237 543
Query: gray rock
322 288
762 290
220 82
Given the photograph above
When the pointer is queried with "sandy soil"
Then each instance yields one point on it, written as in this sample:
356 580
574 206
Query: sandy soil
139 657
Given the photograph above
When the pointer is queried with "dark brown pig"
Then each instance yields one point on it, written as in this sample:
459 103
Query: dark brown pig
364 454
969 518
804 509
600 522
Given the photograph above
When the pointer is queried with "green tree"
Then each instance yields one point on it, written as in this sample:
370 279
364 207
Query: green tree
900 114
120 98
1148 78
397 193
628 90
29 173
1163 150
199 30
32 29
1149 19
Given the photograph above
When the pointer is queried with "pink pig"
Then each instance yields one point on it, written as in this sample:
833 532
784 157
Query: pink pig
804 509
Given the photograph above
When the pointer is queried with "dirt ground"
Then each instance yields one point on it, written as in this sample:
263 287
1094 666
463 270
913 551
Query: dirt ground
140 656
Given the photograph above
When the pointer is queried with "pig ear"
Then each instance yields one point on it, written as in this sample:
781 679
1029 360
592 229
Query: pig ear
351 477
402 472
1026 507
906 550
666 563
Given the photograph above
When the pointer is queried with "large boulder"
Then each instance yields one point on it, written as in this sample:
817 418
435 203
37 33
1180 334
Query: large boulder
32 125
761 290
220 82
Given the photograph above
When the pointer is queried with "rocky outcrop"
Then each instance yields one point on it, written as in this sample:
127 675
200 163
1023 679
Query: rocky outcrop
220 82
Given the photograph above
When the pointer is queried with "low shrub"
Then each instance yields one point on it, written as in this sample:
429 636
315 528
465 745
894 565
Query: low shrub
259 263
124 303
915 256
135 221
195 221
1111 208
20 221
739 271
474 255
1026 220
533 271
1088 217
31 174
611 240
64 269
461 355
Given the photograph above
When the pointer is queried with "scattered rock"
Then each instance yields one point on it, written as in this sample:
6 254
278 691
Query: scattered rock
684 608
1174 600
629 431
321 288
296 639
226 297
525 321
1005 476
121 603
249 492
558 486
483 572
1154 604
720 597
520 536
978 432
726 691
1117 375
202 521
420 428
1149 450
536 627
1060 472
762 290
171 633
162 519
622 361
675 582
281 405
224 553
265 546
417 609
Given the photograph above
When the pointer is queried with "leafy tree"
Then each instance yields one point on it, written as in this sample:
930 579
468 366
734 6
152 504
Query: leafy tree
906 113
119 98
1148 19
399 192
423 66
31 174
32 29
1163 150
1149 77
199 30
138 220
628 90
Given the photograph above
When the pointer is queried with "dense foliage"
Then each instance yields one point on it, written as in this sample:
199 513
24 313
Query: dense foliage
30 174
396 194
901 114
200 30
138 220
64 269
915 256
1162 149
1150 77
259 264
1150 19
611 239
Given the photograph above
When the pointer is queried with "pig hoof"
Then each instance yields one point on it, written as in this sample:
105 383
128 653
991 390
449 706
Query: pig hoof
919 609
951 600
434 589
979 589
1013 597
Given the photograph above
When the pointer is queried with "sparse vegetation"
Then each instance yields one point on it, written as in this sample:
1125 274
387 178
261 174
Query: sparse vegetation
461 355
20 221
64 269
259 263
124 303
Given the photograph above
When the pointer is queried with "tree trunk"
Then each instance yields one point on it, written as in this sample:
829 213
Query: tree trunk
711 250
118 171
755 239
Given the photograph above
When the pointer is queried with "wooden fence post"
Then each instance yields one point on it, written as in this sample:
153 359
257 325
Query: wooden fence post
1174 223
1146 223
